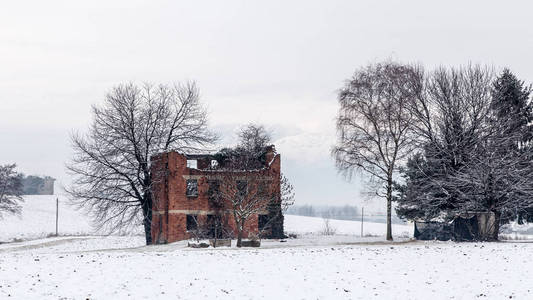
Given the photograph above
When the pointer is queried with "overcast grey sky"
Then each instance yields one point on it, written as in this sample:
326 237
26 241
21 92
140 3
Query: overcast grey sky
279 63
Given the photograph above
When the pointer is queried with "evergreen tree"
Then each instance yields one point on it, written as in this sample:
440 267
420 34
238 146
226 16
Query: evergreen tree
512 107
419 198
513 114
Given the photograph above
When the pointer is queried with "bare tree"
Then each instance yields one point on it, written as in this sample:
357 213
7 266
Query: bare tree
451 123
254 138
453 107
374 124
244 187
328 229
248 193
254 141
10 190
250 152
111 165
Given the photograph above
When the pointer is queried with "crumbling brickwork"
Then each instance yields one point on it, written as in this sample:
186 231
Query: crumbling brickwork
181 190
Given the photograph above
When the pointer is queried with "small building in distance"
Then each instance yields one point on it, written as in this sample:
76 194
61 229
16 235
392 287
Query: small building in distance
468 226
184 187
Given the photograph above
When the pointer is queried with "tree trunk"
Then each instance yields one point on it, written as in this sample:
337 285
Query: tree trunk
520 218
389 209
147 218
240 228
497 219
216 233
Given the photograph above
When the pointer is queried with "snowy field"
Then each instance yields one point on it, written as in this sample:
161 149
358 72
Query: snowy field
311 225
69 268
343 266
38 220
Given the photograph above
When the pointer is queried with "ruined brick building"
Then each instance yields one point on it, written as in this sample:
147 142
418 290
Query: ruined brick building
183 197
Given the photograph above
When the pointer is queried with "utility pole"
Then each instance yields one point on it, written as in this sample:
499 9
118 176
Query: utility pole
362 219
57 213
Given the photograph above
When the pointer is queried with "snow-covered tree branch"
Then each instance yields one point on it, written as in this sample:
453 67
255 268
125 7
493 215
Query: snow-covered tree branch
10 190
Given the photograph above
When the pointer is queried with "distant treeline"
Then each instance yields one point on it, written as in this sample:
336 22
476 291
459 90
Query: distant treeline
345 212
37 185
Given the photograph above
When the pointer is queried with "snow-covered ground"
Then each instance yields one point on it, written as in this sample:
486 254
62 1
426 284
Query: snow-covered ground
342 266
517 232
73 269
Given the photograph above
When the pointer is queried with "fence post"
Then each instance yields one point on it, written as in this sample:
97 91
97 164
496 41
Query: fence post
362 219
57 213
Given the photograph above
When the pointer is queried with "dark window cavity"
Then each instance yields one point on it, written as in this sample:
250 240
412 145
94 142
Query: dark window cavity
192 222
262 222
214 223
262 190
242 187
214 192
192 188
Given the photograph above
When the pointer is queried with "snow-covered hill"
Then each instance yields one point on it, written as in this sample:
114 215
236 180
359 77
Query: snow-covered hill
313 225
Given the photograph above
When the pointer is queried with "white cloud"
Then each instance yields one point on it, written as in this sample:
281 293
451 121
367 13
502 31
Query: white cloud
306 147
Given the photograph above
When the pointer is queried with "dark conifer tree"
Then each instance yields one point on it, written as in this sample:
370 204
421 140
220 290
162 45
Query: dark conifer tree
513 114
512 107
